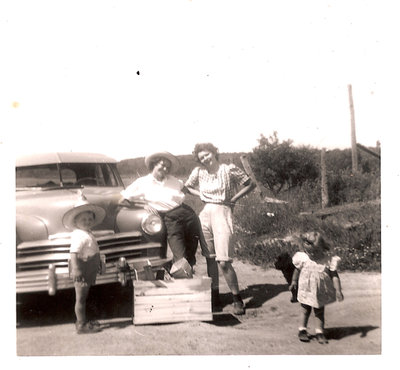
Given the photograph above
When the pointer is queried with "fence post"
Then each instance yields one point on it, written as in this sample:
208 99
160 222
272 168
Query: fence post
324 182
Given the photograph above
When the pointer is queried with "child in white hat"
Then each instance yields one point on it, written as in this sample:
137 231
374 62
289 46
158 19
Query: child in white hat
84 257
317 282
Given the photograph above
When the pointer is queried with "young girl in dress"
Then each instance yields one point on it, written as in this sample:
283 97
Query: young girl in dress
316 280
84 257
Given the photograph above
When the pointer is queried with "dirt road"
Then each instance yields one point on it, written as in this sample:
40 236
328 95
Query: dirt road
268 328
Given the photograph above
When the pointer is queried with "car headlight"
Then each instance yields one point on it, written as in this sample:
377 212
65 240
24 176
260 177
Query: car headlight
151 224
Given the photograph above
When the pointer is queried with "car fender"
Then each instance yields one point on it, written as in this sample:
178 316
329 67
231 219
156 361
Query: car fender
30 228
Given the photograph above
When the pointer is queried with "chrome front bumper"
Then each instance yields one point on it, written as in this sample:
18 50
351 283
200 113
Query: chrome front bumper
54 278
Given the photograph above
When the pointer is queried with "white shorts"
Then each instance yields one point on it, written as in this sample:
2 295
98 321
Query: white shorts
216 223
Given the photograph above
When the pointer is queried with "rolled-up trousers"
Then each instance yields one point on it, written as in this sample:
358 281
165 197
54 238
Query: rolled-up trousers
183 232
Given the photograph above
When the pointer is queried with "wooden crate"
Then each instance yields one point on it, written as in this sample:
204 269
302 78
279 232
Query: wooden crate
164 301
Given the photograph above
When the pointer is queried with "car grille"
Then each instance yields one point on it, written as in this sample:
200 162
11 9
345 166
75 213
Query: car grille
38 255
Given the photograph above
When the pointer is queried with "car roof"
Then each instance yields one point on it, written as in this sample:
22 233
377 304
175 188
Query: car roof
64 157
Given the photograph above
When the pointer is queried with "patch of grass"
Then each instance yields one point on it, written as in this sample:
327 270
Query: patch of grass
355 235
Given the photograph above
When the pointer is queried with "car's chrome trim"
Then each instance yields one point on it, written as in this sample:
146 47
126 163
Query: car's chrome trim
38 281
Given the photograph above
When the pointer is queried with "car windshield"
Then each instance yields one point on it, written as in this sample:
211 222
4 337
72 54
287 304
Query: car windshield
67 175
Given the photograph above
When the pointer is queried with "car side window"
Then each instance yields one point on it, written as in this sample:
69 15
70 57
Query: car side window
37 176
108 176
68 176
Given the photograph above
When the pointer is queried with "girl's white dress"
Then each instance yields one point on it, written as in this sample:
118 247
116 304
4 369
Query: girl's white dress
315 286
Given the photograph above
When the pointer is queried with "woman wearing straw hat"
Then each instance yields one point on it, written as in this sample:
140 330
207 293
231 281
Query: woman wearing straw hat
164 194
84 257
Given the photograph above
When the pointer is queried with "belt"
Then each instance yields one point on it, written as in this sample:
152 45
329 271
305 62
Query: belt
163 213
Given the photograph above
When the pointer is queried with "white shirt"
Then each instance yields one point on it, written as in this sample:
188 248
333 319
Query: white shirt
84 244
161 195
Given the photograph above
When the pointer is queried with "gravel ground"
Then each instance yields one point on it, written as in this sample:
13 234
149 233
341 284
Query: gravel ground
46 326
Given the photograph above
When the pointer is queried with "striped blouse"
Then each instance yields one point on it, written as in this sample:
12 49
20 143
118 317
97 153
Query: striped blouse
220 187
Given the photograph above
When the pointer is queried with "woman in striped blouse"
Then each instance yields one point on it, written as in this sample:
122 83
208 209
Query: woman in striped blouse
219 186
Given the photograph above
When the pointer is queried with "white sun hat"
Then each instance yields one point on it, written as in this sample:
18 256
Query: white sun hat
167 155
83 206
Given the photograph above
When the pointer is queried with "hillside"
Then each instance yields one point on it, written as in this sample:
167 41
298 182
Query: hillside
135 167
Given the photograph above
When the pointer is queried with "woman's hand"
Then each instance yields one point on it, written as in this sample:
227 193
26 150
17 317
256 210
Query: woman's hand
150 209
339 296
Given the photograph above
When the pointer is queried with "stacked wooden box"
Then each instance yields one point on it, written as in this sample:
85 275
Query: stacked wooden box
165 301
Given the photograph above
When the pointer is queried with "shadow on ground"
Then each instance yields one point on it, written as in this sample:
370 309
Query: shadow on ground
341 332
107 302
104 302
260 293
224 319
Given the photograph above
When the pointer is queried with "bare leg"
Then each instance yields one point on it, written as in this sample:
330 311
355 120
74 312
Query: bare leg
81 293
319 319
306 315
303 334
230 276
320 324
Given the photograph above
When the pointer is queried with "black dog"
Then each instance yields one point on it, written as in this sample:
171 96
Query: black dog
284 264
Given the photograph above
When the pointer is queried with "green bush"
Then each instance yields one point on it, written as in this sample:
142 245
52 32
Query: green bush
346 187
281 165
354 235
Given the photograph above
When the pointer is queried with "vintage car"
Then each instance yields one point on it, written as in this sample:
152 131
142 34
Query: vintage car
131 241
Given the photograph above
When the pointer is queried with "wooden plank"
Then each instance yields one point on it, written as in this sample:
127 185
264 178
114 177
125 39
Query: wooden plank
167 299
246 165
337 209
362 147
261 189
171 308
176 318
177 286
173 311
177 300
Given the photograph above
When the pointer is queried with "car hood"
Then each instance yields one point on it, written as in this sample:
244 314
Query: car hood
49 206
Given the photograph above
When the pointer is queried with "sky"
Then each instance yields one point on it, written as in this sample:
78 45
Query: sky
127 78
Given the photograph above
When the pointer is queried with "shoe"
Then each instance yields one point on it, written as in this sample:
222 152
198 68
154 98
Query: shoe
87 328
94 323
303 336
321 338
238 308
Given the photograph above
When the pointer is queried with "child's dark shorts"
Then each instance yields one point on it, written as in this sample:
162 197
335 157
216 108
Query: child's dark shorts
90 268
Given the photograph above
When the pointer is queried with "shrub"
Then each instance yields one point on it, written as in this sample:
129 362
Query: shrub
280 165
260 238
345 187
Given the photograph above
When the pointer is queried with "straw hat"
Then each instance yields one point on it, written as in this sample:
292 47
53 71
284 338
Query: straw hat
83 206
174 161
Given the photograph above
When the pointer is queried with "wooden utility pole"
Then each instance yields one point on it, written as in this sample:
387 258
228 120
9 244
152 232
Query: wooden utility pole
353 132
324 182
